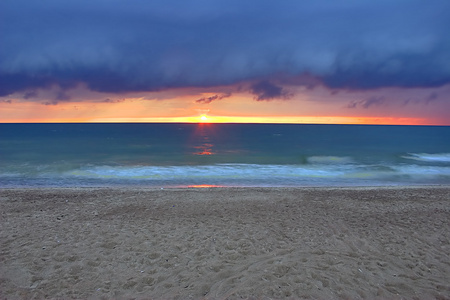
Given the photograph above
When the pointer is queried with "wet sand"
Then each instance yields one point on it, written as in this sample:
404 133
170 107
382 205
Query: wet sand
225 243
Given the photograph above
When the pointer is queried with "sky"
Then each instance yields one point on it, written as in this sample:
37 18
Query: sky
290 61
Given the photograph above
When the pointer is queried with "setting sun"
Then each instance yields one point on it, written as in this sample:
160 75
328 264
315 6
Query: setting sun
203 118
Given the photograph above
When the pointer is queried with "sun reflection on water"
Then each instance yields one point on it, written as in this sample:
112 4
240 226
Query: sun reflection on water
204 149
202 136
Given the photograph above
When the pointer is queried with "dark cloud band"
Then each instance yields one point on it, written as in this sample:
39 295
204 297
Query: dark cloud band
118 46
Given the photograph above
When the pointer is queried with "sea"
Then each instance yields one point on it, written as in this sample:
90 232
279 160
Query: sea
173 155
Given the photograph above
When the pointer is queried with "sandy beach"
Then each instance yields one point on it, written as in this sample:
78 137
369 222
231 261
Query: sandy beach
225 243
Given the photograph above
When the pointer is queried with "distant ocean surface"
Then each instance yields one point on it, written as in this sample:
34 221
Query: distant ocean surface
195 155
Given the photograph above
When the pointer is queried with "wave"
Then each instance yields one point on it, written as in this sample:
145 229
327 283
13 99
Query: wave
427 157
330 160
244 171
255 172
318 171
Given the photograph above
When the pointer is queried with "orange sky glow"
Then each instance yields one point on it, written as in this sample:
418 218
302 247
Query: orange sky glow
319 62
318 106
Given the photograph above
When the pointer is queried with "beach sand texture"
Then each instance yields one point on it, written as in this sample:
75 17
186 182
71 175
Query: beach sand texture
225 243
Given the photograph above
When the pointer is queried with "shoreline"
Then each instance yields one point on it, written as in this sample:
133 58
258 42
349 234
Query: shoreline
213 187
390 242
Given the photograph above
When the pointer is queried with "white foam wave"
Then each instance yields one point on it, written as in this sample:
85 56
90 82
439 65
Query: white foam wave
423 171
238 175
427 157
243 171
257 172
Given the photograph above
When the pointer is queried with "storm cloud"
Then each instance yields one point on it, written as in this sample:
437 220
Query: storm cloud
123 46
265 90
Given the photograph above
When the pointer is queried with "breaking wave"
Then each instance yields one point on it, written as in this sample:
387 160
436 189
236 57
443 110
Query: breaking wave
426 157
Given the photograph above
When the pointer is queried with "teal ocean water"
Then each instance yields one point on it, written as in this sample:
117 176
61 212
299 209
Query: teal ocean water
180 155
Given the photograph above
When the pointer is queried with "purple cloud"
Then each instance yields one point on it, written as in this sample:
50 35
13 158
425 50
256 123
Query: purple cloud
116 46
207 100
265 90
366 103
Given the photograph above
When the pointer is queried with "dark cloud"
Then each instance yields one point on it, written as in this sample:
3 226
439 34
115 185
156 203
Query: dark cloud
207 100
366 103
120 46
423 99
108 100
30 94
62 96
264 90
433 96
52 102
